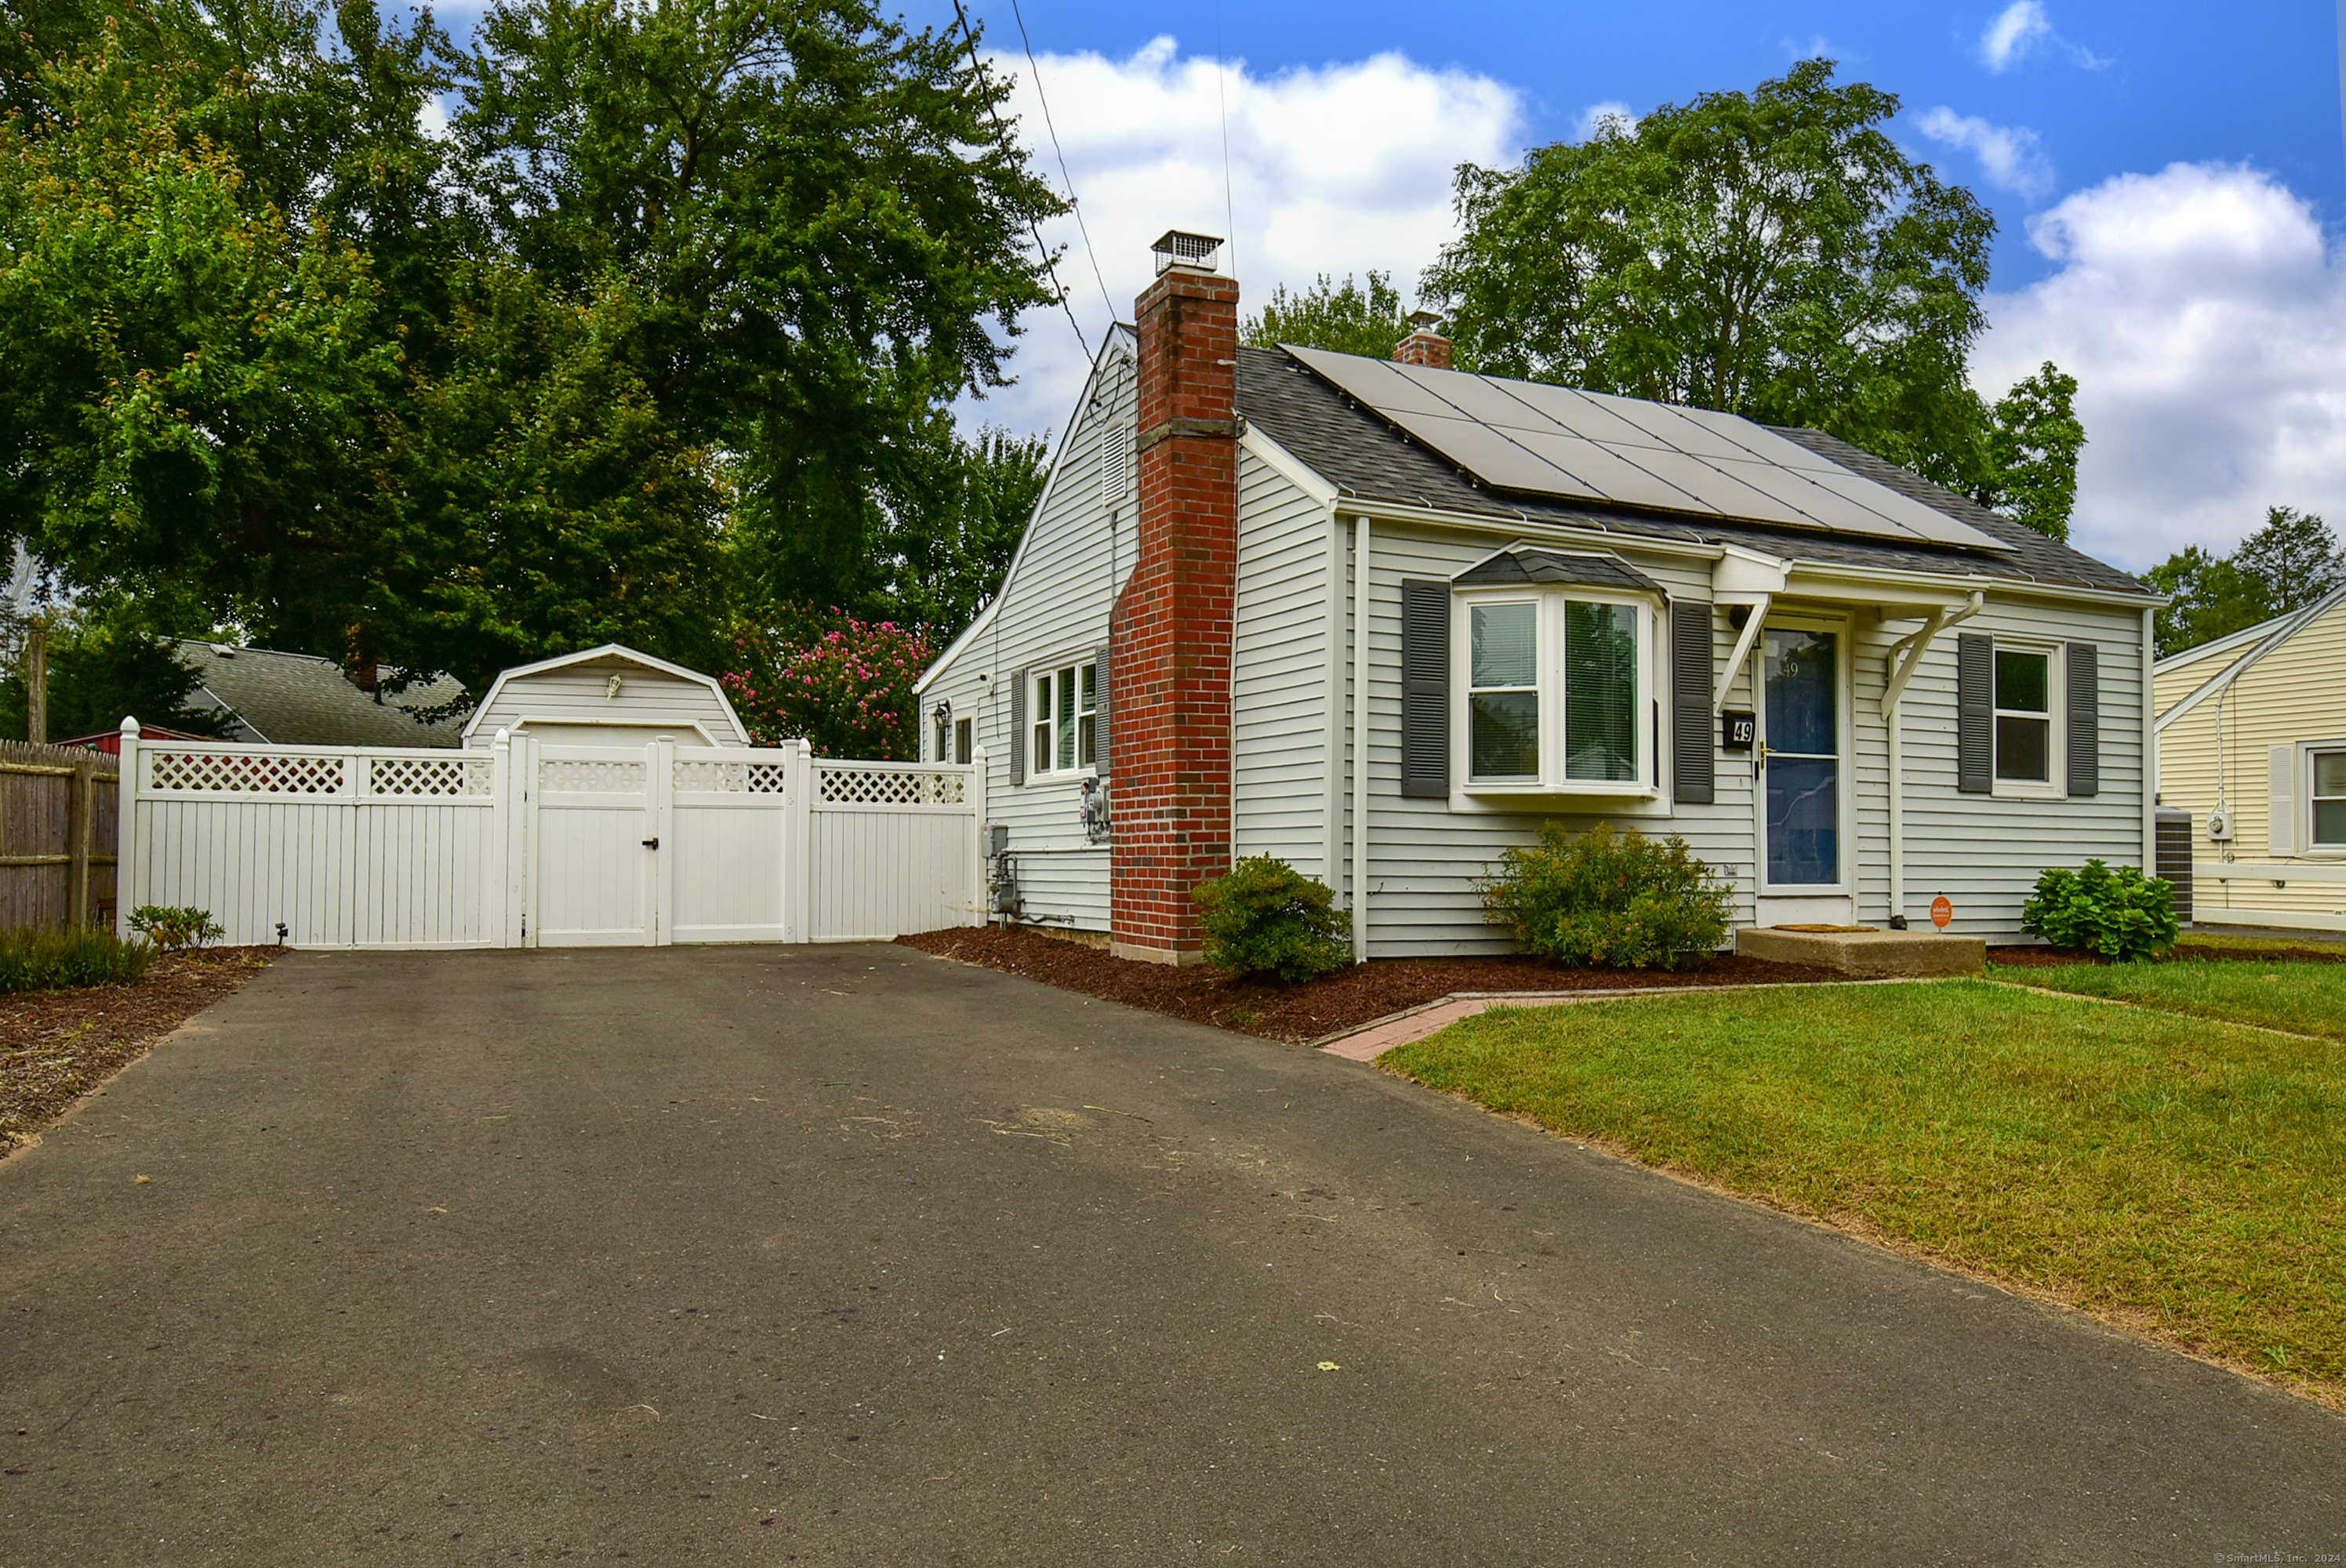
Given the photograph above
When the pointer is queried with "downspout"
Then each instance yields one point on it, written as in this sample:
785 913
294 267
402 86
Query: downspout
1893 690
1360 738
1331 788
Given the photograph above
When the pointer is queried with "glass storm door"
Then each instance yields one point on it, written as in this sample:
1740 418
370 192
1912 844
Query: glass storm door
1801 751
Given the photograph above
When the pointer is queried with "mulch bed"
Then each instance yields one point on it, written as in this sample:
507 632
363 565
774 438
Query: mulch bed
2053 957
1312 1010
57 1046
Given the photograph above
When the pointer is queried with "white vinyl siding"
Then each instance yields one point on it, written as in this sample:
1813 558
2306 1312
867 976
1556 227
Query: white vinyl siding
1278 684
1052 615
2292 697
1983 854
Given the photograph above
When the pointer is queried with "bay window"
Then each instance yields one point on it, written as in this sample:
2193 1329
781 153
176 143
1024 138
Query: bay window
1557 691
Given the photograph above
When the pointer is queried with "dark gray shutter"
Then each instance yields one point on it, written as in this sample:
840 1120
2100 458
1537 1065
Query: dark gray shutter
1019 741
1975 713
1692 750
1099 713
2084 720
1424 687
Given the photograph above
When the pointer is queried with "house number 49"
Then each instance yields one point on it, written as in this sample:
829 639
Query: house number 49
1738 731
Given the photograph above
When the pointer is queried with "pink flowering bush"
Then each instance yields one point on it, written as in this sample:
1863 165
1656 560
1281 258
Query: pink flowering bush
843 685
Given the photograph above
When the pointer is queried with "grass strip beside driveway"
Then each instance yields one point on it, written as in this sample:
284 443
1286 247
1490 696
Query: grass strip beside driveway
2179 1177
2304 998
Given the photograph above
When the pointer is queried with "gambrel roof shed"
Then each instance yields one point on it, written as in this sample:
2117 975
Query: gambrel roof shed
607 696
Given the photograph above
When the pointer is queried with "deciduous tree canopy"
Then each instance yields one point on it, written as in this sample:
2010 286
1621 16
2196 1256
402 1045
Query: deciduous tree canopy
2290 562
653 342
1771 254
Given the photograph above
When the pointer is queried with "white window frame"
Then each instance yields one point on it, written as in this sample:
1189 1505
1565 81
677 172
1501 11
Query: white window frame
2054 786
1551 599
1043 715
2307 845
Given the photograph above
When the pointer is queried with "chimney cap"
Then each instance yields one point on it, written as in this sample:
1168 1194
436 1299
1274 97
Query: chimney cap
1428 322
1177 247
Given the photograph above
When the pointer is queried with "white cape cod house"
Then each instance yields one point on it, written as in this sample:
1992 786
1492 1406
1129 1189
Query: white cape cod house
1382 618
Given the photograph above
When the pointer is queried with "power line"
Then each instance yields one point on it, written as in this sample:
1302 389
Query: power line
1032 224
1090 254
1229 203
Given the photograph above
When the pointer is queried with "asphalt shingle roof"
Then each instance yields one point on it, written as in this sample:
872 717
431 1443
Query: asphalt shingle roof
1363 456
294 699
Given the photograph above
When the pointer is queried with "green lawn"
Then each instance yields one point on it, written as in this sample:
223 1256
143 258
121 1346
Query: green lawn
2202 937
2181 1176
2305 998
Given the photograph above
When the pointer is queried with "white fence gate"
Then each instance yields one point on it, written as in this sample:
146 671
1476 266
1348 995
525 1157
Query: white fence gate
530 844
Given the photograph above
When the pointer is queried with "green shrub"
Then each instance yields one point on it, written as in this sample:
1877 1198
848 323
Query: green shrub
1267 917
2120 914
172 929
53 960
1626 899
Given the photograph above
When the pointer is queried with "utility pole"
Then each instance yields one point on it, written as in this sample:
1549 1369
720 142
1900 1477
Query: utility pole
36 684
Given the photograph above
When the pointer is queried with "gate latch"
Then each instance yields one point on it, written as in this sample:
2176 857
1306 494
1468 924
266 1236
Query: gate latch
651 843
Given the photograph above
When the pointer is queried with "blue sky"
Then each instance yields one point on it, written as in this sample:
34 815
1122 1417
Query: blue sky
2107 88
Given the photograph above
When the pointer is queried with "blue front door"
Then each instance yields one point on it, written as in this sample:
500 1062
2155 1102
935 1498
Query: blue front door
1802 716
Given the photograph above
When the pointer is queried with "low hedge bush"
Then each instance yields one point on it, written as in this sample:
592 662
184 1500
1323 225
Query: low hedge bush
1621 899
53 959
2120 914
1265 917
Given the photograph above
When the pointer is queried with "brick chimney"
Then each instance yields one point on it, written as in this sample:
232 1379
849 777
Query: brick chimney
1170 635
1424 345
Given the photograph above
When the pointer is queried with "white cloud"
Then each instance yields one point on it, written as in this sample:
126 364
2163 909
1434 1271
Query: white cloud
2009 154
1336 169
2016 29
2204 316
1586 122
2016 32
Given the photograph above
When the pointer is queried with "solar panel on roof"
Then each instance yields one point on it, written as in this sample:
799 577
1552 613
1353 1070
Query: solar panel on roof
1593 446
1631 477
1491 457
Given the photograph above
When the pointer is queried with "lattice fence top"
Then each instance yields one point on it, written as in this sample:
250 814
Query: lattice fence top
850 786
441 776
245 773
732 778
590 777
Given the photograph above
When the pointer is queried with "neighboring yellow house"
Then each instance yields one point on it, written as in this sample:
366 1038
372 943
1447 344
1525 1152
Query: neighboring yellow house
2252 743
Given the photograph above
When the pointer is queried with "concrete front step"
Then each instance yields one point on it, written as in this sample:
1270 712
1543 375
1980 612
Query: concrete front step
1863 953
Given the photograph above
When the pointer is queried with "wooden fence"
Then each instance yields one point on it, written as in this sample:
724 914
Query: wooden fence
59 808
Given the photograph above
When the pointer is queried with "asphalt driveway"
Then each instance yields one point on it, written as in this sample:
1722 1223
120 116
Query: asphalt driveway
855 1256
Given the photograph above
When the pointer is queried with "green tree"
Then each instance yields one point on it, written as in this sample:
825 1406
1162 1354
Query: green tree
2294 558
1344 317
2030 465
194 381
945 541
1770 254
2290 562
827 237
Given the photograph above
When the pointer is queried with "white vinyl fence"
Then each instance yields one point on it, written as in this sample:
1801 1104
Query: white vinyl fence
530 844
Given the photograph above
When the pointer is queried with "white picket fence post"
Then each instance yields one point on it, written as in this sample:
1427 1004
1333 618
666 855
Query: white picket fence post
129 859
